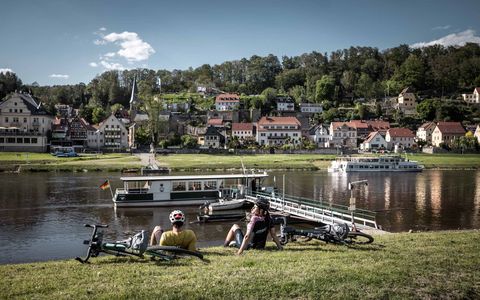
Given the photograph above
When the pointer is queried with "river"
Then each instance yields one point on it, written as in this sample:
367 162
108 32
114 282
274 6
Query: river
42 214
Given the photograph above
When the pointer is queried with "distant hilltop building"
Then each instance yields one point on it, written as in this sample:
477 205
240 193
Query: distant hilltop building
406 102
473 98
227 102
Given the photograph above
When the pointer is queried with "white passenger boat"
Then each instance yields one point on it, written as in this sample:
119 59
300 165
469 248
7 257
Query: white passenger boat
184 189
384 163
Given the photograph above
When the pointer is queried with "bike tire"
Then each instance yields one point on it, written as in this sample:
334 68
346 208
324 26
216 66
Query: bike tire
157 251
358 238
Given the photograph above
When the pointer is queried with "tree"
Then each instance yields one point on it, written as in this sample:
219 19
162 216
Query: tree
98 114
325 88
9 82
364 86
298 93
188 141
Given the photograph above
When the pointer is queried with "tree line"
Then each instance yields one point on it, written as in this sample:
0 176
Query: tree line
341 76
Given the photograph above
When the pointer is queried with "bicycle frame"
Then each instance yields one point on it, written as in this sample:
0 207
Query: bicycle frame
127 247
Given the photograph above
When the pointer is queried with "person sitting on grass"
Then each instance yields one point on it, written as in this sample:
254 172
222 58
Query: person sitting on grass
260 225
178 237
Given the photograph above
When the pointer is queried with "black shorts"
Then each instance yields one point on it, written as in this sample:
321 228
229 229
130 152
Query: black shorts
239 239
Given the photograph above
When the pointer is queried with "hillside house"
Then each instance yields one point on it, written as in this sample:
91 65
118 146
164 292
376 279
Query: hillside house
319 135
447 132
311 108
285 104
473 98
243 131
213 138
224 102
406 102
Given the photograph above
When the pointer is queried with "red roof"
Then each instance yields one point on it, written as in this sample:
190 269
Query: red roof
377 125
358 124
427 125
370 136
336 125
401 132
227 98
242 126
215 122
451 127
279 121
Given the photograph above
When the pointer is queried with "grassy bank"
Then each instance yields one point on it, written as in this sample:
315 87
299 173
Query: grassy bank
178 162
396 266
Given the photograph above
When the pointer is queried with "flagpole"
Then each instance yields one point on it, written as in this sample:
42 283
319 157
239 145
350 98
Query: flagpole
111 192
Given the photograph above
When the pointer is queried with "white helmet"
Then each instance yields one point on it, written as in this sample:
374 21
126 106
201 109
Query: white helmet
177 216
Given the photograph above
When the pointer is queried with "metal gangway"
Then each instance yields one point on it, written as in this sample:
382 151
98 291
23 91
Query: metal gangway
317 211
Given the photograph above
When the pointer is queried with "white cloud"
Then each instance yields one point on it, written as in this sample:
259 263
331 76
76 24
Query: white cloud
5 70
454 39
59 76
133 48
93 64
109 54
441 27
102 29
112 66
99 42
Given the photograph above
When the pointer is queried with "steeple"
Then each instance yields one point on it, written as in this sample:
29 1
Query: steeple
133 97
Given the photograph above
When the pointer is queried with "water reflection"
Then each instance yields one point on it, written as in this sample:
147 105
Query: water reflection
44 211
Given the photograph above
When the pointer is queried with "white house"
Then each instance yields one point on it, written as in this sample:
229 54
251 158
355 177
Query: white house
24 124
424 132
285 104
242 131
111 134
477 133
375 140
406 102
473 98
311 108
227 102
447 132
401 137
276 130
319 135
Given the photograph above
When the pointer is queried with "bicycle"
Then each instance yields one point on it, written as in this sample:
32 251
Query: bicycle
335 234
136 245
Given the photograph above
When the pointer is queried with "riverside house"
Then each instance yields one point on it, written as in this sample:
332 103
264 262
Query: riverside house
447 132
400 137
473 98
342 134
111 134
375 140
278 131
225 102
424 132
243 131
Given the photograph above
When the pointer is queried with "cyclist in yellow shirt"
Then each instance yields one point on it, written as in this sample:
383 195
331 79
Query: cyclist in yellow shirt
178 237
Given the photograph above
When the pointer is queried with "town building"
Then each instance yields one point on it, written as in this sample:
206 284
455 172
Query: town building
227 102
243 131
311 108
24 123
424 132
402 138
342 134
374 141
213 138
111 135
406 102
319 135
473 98
278 131
285 104
446 133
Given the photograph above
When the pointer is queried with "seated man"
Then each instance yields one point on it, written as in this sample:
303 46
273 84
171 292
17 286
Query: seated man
258 228
178 237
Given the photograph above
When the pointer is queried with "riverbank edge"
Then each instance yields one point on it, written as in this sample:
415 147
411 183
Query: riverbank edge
440 264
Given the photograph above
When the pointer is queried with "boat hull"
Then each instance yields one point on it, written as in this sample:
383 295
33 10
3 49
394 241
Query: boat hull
226 205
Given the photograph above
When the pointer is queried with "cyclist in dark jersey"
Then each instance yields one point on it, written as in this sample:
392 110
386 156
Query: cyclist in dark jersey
258 228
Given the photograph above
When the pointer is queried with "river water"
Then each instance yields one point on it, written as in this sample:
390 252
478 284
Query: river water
42 214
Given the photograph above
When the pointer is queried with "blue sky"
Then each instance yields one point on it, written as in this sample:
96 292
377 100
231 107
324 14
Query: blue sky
67 42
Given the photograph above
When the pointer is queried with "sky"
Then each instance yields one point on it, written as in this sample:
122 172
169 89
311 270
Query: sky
66 42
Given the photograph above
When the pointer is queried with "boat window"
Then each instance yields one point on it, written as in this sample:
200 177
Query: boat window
194 185
179 186
210 185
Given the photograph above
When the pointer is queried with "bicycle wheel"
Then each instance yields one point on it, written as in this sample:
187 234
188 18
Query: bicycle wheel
170 252
358 238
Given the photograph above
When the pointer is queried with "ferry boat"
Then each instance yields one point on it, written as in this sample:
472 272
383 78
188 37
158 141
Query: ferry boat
384 163
184 189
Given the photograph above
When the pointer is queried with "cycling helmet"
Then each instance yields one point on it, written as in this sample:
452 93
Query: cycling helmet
262 204
177 216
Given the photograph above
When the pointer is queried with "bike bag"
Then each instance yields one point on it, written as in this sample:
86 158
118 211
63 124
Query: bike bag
139 242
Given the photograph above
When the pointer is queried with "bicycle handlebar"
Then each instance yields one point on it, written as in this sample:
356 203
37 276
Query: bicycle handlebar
96 225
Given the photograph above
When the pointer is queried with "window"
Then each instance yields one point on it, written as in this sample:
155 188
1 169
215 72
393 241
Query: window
11 140
24 120
34 140
179 186
6 119
26 140
194 185
19 140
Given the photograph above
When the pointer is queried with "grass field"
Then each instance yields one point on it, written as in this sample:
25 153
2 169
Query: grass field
115 162
431 265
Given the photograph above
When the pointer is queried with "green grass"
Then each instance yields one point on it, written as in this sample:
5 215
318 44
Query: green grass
259 161
460 161
397 266
48 162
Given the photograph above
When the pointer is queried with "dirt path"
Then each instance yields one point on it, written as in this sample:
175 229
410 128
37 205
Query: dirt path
146 158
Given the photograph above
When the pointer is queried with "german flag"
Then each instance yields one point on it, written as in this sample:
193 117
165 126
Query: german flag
105 185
